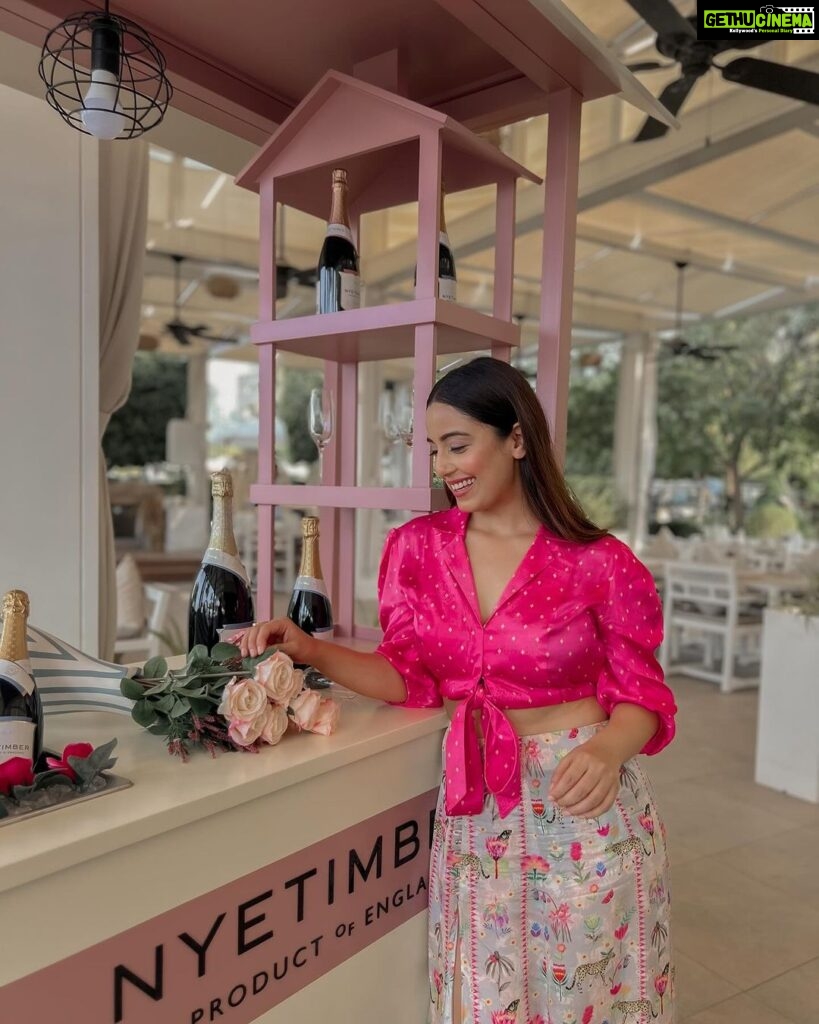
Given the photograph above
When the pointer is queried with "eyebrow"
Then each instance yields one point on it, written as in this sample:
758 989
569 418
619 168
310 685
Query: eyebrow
452 433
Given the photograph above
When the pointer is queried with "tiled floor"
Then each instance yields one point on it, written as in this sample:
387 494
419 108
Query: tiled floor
745 870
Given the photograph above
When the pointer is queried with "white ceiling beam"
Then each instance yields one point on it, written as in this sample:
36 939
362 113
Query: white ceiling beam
720 220
743 118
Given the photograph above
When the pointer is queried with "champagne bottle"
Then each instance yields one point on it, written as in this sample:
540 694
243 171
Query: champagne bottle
21 713
310 606
221 596
447 286
338 286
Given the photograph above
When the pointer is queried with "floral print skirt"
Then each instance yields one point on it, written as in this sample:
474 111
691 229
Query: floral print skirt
557 920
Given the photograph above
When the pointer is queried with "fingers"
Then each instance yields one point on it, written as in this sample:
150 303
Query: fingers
584 786
595 803
259 637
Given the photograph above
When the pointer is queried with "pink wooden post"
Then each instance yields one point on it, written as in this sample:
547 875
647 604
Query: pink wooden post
267 250
557 278
329 542
429 190
344 601
266 514
504 258
423 379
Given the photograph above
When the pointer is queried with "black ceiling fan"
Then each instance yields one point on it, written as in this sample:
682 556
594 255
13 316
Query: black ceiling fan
677 40
677 345
285 272
176 327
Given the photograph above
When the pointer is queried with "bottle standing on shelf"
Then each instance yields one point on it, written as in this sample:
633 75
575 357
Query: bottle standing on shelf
447 282
21 713
310 606
338 286
221 597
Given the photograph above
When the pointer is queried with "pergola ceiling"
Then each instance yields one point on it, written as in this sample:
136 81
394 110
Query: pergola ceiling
734 194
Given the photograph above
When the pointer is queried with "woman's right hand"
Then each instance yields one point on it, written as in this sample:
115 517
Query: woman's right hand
281 633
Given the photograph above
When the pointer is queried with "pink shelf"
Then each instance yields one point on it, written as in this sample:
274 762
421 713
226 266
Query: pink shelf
412 499
385 332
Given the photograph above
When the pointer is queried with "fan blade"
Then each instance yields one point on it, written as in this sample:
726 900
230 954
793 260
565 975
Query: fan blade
776 78
672 98
663 17
648 65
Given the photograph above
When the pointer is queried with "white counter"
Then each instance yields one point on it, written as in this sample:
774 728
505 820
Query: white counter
80 876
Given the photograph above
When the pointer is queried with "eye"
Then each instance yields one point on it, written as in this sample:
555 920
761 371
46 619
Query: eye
458 449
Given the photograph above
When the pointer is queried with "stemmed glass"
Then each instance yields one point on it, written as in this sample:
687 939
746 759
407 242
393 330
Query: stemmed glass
320 421
404 417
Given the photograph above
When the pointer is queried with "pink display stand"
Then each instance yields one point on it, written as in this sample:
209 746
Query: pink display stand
395 151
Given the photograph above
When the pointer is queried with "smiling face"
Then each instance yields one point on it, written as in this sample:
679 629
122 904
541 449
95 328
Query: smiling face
479 468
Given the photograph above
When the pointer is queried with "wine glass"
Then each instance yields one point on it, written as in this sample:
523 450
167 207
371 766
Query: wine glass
404 417
320 421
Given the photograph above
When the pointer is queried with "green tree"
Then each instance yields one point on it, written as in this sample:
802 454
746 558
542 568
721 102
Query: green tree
136 433
748 413
292 402
591 415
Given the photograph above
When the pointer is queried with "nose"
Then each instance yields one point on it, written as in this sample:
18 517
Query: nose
442 465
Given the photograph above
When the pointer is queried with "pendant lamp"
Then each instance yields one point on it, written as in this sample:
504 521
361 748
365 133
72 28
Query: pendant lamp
104 75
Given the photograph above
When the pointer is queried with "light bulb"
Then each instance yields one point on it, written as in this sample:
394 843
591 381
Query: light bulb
103 116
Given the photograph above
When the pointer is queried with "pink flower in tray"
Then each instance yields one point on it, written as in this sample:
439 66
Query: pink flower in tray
17 771
60 764
576 851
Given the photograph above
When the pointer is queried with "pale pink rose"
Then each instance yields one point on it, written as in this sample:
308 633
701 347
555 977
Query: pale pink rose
274 724
244 733
305 707
281 681
243 698
326 720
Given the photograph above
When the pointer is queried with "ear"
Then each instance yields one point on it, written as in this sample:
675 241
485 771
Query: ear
518 447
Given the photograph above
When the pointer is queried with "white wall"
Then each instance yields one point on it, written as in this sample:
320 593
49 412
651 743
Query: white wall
49 356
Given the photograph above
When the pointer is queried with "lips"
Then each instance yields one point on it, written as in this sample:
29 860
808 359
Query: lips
459 487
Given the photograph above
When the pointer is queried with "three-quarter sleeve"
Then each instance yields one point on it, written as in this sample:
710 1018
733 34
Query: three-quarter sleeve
631 622
400 644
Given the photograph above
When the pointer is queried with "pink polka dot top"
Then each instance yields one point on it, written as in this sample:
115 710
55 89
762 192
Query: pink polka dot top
575 620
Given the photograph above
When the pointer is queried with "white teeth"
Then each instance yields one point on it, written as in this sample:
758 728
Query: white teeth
462 484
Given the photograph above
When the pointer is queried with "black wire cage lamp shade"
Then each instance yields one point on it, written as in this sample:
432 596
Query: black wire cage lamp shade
104 75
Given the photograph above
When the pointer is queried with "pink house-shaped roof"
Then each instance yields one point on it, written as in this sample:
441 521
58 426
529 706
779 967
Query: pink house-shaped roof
375 135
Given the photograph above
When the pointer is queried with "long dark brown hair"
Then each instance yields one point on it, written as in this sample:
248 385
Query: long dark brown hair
495 393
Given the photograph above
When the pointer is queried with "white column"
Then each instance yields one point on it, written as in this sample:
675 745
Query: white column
635 431
49 366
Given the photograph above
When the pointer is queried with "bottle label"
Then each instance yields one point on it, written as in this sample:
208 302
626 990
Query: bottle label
16 738
325 633
312 584
213 556
447 287
350 289
340 231
18 673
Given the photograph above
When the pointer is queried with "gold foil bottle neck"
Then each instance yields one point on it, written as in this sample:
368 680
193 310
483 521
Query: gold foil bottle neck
339 176
310 559
13 646
221 529
221 484
310 526
338 206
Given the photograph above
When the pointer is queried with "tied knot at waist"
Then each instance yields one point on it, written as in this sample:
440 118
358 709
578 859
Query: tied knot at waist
468 767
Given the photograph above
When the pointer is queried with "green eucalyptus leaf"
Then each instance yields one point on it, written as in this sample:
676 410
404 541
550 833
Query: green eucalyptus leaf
160 687
200 706
131 689
165 703
198 655
144 713
189 691
180 708
249 664
45 780
224 652
155 668
160 728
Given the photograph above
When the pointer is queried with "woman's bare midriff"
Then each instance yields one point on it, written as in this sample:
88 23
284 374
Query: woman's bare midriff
533 721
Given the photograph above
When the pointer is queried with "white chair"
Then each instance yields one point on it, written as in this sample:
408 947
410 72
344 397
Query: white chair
149 644
287 538
704 611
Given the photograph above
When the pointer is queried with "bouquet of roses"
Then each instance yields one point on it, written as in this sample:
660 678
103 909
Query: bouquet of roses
222 701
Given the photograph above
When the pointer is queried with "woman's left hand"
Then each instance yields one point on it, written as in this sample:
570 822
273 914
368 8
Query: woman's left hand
587 780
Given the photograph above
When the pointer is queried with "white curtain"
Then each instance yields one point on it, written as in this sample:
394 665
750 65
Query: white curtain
123 216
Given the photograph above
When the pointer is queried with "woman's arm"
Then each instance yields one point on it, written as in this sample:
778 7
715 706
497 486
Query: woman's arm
371 675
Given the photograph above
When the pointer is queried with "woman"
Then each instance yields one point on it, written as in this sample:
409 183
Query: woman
549 894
